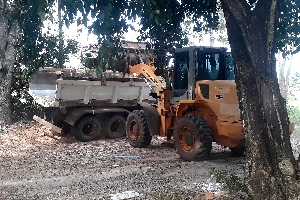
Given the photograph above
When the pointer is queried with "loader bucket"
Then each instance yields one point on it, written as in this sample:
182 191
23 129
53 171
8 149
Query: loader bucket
42 87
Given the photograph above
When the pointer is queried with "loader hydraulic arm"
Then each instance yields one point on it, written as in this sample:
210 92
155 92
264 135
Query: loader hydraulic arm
148 73
163 100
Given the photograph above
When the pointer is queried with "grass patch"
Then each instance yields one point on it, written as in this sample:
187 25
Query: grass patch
230 181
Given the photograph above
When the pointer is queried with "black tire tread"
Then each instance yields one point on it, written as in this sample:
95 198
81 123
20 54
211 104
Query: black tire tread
145 138
238 151
105 129
77 130
202 131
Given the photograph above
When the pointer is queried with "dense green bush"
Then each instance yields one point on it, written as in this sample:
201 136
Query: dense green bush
294 113
23 105
294 116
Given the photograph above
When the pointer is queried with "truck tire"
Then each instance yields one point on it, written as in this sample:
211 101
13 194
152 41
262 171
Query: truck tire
193 140
115 127
137 130
87 129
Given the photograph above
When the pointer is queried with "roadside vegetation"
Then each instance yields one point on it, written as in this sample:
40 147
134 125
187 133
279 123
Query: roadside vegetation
293 101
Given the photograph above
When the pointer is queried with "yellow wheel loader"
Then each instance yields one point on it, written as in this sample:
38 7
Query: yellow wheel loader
197 106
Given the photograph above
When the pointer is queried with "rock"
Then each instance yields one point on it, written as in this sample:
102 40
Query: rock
208 196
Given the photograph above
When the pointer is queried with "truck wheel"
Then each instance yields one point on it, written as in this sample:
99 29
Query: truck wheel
238 151
137 129
193 140
115 127
87 129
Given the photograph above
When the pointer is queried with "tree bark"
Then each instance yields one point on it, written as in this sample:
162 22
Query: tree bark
270 171
7 60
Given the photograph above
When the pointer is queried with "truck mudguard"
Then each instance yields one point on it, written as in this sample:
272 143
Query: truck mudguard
153 118
75 114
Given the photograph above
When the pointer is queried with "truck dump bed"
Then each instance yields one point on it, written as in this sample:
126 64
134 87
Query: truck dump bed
50 89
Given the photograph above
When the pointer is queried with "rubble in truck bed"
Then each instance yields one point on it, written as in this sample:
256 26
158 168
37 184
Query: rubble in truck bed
80 74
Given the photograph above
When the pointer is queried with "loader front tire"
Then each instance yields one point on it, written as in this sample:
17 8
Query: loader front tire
87 129
115 127
137 129
193 140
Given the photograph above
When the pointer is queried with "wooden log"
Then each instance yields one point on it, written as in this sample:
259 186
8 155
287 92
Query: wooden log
47 124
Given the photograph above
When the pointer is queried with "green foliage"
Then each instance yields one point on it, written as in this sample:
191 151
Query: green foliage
23 105
160 21
293 106
161 26
294 113
35 49
294 87
288 28
232 182
51 51
108 50
29 16
45 52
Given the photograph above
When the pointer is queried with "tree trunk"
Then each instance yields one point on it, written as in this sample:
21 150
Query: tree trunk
60 36
7 60
270 171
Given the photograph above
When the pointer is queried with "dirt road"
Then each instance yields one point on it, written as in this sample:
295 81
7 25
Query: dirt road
35 164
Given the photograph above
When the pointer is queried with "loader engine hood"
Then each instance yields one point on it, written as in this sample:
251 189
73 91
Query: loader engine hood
220 96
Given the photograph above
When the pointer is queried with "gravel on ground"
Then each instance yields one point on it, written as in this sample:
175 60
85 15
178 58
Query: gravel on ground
38 164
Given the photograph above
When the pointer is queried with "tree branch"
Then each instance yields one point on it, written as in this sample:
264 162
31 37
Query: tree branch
238 13
271 28
240 9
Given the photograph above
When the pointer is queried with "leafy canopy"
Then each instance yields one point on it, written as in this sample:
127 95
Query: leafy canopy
288 28
34 48
160 21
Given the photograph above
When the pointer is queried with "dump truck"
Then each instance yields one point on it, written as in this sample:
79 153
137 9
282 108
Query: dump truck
79 102
198 106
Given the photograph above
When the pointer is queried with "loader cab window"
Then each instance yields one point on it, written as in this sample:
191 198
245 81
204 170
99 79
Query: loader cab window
212 66
229 67
209 66
180 70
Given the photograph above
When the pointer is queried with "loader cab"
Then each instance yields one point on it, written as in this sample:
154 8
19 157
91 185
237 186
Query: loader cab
193 64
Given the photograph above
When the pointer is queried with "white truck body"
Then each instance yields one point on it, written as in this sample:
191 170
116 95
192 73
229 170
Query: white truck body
77 101
49 91
87 107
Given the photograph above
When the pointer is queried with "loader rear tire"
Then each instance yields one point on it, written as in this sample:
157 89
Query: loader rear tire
238 151
193 140
87 129
137 129
115 127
